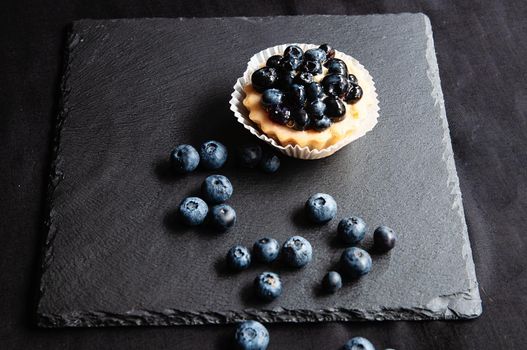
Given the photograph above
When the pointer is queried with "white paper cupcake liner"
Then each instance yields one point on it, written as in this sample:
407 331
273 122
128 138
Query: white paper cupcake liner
242 114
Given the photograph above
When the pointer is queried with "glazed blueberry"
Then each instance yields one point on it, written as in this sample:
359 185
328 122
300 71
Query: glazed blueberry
336 66
251 335
289 63
216 189
335 84
184 159
282 115
332 282
355 262
297 251
352 79
300 118
272 98
358 343
321 124
274 61
213 155
330 52
269 163
268 286
303 78
354 94
384 239
222 217
294 51
314 91
296 96
321 208
285 79
351 230
238 258
335 108
266 250
264 78
318 55
249 155
193 211
316 109
313 67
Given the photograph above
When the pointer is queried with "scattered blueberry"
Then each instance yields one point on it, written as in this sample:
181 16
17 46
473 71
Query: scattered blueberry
335 108
293 51
314 91
351 230
297 251
264 78
354 94
268 286
318 55
336 66
266 250
316 109
359 343
193 211
355 262
332 281
213 155
321 208
249 155
272 98
330 52
352 79
289 63
216 189
285 79
238 258
322 123
296 96
184 159
282 115
269 163
335 84
303 78
251 335
300 118
222 217
384 239
313 67
274 61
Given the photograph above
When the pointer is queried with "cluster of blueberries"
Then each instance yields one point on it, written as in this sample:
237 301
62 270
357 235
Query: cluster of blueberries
252 335
291 95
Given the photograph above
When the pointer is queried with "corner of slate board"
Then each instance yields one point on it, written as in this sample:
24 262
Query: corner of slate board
88 281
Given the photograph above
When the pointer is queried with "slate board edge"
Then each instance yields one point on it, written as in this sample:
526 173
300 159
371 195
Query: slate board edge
460 305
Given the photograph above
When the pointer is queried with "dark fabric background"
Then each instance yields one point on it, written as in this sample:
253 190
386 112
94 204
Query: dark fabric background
482 50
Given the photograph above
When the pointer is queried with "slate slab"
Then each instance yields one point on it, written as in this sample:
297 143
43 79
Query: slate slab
132 89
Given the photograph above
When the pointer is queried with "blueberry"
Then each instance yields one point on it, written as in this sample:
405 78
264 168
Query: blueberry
315 55
321 124
266 250
282 115
272 98
213 155
184 159
335 84
336 66
335 108
288 63
251 335
300 118
384 239
314 91
269 163
238 258
294 51
316 109
297 251
249 155
352 79
285 79
332 282
264 78
354 94
313 67
193 211
358 343
355 262
268 286
274 61
330 52
222 217
321 208
303 78
296 96
216 189
351 230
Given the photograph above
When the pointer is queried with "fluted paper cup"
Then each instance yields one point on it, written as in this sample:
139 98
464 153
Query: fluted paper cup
242 114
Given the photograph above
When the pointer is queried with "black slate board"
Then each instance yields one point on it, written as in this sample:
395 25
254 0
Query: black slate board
134 88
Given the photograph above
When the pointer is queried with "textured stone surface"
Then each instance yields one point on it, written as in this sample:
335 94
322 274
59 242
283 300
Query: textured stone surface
134 88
